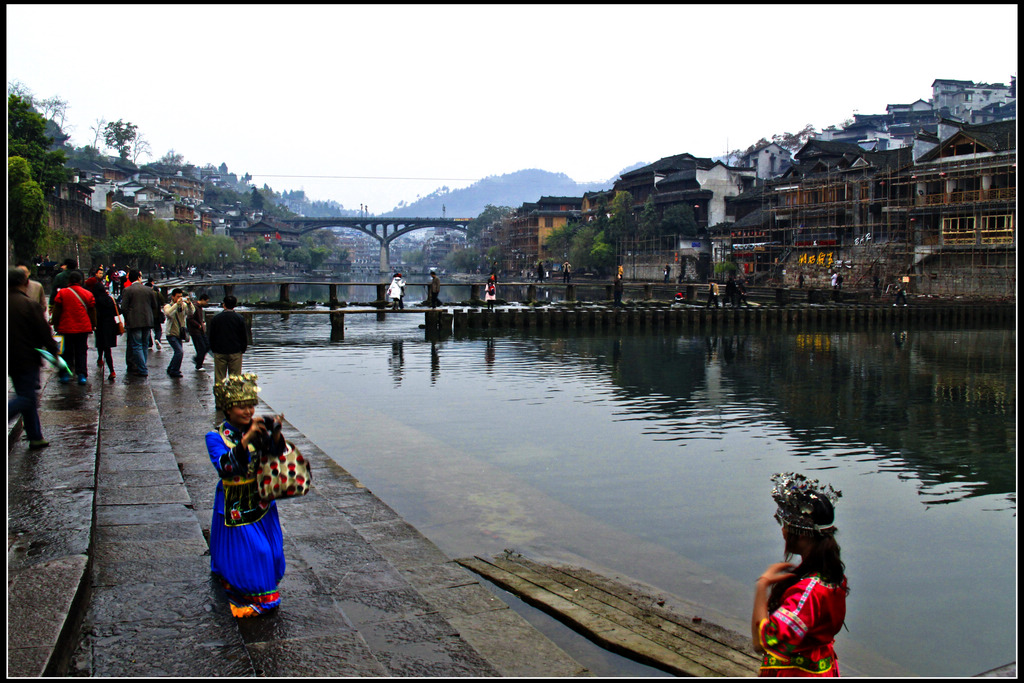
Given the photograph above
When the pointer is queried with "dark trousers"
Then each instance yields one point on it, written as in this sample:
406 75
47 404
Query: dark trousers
26 401
174 367
76 345
202 346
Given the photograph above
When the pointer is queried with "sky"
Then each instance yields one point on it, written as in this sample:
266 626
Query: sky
370 105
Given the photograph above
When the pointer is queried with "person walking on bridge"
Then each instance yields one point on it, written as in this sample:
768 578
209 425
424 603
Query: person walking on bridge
395 292
434 291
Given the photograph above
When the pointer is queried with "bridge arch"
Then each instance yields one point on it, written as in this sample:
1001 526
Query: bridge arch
384 229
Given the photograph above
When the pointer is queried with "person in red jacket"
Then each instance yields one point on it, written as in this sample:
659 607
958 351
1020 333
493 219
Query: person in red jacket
74 316
799 609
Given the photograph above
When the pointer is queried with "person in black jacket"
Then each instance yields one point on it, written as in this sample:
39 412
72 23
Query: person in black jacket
27 330
229 339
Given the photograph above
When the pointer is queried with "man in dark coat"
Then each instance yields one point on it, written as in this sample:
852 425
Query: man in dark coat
140 307
27 330
229 339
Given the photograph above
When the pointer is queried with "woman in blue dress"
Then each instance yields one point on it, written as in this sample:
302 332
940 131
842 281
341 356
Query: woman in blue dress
246 546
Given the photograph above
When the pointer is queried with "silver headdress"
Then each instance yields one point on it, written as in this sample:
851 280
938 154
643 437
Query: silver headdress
805 505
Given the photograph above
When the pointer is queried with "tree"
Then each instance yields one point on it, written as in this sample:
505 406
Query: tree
679 220
97 131
560 239
172 158
622 223
488 217
26 209
140 147
649 222
26 138
256 200
120 136
54 109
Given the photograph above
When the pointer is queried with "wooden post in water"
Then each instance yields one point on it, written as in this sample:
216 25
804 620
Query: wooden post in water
337 326
332 295
283 298
570 292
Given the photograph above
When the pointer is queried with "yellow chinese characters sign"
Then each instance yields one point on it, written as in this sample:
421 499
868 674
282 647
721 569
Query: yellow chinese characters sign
822 259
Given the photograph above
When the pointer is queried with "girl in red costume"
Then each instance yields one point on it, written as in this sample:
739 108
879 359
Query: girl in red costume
798 609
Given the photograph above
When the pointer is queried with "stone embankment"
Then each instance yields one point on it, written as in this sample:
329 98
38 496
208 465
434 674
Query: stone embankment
109 567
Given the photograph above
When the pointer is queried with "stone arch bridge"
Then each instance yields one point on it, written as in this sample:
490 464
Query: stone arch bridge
384 229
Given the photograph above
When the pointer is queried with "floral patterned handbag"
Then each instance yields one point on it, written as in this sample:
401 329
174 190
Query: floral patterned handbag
283 476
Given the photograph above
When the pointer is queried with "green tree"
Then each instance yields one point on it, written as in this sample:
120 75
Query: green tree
679 220
317 256
488 217
121 137
462 261
649 222
26 138
256 200
622 222
560 239
26 209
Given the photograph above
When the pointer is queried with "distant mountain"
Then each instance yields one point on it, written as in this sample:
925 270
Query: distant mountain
511 189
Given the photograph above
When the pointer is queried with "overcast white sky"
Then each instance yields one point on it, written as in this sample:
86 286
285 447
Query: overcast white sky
453 93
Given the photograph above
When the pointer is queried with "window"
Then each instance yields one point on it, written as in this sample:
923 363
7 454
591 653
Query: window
997 229
958 230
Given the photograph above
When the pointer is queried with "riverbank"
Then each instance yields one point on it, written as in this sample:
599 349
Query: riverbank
108 563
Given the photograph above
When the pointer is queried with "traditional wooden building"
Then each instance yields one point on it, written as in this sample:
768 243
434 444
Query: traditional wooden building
525 231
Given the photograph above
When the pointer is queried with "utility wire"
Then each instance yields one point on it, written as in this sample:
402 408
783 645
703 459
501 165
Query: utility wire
353 177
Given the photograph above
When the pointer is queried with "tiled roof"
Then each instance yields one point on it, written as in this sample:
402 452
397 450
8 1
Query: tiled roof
671 164
999 136
828 147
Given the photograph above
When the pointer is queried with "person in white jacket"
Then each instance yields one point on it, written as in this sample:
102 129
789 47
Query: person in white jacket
395 291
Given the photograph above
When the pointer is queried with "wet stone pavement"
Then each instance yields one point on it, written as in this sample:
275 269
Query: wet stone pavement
109 567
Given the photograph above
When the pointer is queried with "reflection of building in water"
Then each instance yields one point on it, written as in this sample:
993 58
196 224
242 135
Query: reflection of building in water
942 406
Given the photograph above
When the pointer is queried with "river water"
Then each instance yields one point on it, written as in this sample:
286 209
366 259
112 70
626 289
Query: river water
648 456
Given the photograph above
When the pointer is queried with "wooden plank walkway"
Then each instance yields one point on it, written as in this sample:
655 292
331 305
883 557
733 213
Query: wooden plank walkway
621 618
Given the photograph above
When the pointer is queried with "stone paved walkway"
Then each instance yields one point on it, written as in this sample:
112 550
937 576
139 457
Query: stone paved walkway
109 569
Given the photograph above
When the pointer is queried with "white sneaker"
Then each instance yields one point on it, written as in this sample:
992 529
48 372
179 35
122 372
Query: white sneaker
200 369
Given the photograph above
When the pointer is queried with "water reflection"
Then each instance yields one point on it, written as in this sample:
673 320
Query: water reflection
618 446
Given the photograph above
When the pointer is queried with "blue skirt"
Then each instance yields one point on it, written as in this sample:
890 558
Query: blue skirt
249 559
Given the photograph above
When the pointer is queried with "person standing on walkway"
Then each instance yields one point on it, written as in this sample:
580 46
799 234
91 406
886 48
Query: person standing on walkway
35 289
566 272
491 292
197 329
799 609
712 301
228 340
60 280
395 292
74 314
617 287
732 292
434 290
27 330
177 313
161 317
139 306
668 272
107 328
246 544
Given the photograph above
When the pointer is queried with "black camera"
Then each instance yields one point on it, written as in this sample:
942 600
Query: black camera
273 429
